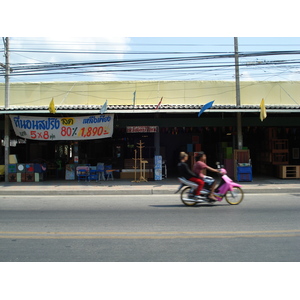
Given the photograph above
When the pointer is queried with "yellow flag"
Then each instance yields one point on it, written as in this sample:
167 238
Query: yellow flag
263 112
52 107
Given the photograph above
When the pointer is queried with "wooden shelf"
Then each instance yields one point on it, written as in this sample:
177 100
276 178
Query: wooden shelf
288 171
279 145
280 158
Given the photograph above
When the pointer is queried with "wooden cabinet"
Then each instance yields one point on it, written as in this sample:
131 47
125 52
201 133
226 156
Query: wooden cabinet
288 171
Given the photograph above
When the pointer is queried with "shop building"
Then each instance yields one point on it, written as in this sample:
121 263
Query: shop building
164 116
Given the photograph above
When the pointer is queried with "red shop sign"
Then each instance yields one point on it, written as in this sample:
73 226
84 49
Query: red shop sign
142 129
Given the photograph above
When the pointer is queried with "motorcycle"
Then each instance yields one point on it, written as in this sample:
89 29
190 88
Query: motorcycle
227 189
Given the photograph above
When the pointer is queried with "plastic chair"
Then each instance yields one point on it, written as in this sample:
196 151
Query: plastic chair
83 172
93 173
109 172
100 171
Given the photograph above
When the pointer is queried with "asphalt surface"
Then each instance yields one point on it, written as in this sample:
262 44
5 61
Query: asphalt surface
148 228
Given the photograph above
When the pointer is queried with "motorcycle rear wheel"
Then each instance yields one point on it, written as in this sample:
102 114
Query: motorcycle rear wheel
235 197
185 197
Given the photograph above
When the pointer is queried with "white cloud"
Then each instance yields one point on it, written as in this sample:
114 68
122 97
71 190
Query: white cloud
116 48
246 76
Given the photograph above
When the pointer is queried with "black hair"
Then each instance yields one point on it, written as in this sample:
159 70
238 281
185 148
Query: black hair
199 155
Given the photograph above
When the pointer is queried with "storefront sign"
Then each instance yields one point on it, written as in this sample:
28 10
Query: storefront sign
67 128
142 129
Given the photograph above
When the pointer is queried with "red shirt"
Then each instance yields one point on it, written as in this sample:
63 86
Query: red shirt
198 167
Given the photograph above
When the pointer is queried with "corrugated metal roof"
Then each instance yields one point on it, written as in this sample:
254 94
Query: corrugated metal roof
147 108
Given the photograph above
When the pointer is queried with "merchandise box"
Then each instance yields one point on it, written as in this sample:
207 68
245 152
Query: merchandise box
189 148
197 147
29 168
21 177
21 168
12 168
36 177
12 159
29 177
37 168
12 177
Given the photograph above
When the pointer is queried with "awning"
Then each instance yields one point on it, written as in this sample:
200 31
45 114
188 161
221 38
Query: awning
168 108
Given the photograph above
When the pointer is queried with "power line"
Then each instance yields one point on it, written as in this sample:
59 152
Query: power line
181 62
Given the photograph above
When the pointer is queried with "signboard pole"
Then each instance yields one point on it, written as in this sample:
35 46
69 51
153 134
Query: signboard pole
238 95
6 124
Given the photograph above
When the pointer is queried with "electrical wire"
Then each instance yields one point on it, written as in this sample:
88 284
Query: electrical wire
173 64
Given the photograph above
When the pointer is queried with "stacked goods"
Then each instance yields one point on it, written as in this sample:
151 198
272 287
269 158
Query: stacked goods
27 172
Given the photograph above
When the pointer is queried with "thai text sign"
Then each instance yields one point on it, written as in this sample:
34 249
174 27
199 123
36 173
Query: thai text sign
141 129
67 128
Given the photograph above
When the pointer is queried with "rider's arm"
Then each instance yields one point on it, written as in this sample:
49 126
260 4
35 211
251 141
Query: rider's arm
213 170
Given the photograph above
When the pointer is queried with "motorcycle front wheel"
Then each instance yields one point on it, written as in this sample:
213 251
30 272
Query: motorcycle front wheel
235 196
186 198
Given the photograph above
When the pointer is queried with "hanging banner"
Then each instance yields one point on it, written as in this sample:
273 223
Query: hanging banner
66 128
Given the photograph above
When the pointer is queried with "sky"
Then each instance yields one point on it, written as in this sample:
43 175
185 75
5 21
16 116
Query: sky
179 34
135 58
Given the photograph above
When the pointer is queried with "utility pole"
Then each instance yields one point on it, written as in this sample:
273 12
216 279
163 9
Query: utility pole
6 124
238 95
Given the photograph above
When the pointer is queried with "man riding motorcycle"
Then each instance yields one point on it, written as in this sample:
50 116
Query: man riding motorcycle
198 168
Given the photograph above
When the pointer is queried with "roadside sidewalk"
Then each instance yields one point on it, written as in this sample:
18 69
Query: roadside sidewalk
259 185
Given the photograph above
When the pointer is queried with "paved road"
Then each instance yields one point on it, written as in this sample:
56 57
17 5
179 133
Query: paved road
148 228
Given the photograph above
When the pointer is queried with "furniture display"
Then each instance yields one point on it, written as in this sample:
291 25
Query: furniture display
108 172
101 171
93 174
289 171
83 173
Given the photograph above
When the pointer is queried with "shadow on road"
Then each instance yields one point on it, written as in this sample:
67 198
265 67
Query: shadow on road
184 206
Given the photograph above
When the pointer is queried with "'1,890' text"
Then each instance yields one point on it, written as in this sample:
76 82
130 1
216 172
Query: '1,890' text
92 131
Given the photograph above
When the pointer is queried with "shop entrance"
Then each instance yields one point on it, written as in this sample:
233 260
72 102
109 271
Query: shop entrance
212 140
270 147
54 154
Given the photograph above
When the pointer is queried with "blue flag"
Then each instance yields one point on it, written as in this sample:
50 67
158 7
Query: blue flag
205 106
103 108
